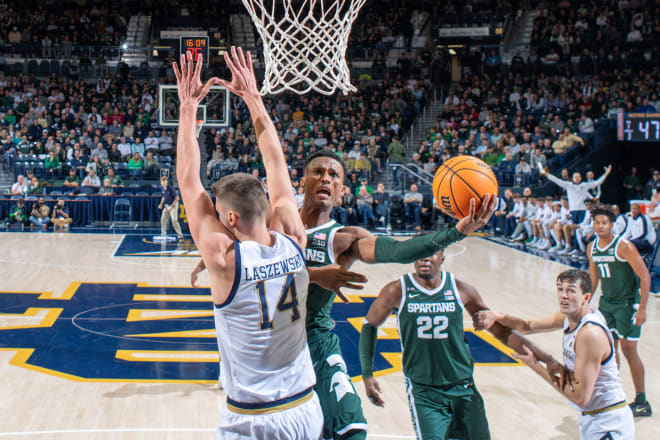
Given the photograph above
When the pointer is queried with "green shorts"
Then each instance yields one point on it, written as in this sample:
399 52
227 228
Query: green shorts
620 319
452 412
341 405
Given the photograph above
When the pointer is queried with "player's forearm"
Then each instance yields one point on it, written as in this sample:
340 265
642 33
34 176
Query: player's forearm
367 348
388 250
516 341
279 183
187 150
513 323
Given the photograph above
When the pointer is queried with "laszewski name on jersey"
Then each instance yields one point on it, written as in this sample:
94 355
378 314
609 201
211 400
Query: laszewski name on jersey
273 270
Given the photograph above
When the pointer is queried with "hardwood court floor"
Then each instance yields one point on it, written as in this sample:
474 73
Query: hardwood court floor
43 397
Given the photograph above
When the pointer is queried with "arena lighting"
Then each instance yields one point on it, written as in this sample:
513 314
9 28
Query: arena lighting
154 53
124 46
452 52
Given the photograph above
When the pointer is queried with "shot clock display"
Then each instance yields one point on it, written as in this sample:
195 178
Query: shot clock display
638 127
196 45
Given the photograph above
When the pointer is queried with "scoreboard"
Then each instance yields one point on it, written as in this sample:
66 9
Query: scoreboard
638 127
196 45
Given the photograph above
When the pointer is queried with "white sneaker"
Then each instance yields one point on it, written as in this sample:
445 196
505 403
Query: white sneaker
564 251
574 252
555 248
546 245
382 219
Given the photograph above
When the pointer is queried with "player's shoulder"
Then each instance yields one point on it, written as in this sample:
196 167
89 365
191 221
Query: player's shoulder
592 334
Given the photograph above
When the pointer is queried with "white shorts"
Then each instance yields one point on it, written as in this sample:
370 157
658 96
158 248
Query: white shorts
303 422
610 425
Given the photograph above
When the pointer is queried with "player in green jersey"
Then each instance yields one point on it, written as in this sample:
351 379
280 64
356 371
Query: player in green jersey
437 364
624 282
330 242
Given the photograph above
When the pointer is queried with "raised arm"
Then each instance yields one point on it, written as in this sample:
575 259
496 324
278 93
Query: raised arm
280 191
371 249
388 300
600 180
202 220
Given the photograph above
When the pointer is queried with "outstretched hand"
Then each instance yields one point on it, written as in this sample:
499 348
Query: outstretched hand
243 80
188 80
472 221
334 278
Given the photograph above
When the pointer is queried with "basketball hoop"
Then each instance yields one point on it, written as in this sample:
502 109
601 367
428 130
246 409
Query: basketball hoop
305 44
199 126
201 118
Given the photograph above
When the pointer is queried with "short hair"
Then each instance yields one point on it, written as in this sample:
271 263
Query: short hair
243 193
326 153
605 210
575 275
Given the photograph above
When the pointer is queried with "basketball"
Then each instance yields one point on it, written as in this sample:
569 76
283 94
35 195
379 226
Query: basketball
460 179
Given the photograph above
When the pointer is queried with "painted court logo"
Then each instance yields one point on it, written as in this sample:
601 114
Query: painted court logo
137 332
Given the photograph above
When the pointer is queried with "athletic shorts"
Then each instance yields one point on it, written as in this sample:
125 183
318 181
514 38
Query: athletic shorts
341 405
610 425
301 422
454 412
620 319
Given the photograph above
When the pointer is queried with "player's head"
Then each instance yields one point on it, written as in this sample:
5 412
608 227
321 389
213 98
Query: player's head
240 200
577 178
324 178
604 218
427 268
573 291
564 201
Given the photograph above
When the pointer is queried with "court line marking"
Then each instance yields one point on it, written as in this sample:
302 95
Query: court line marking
455 254
116 430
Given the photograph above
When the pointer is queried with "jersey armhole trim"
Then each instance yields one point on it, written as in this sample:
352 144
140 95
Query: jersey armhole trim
609 340
302 254
330 245
402 280
616 250
459 300
237 275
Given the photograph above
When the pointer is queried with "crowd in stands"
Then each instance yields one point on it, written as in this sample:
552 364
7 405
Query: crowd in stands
61 30
513 117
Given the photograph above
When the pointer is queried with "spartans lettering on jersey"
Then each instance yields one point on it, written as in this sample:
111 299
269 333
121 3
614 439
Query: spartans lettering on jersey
431 307
603 258
273 270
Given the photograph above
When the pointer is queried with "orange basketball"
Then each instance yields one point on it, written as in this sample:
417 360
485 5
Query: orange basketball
460 179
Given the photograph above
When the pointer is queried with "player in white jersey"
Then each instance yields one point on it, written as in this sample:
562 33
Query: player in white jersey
257 271
594 388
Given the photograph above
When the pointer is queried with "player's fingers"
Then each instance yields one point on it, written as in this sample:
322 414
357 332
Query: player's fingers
242 55
352 276
182 63
177 74
352 286
484 206
230 63
471 213
342 296
198 67
250 65
377 385
191 67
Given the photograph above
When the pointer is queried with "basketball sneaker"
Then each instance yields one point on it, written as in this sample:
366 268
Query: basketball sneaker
641 409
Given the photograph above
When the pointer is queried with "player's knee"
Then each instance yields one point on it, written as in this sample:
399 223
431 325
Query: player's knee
629 349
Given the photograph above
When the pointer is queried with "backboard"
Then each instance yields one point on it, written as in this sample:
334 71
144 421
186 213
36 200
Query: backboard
216 105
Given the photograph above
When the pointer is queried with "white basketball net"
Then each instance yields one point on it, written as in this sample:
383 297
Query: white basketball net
305 43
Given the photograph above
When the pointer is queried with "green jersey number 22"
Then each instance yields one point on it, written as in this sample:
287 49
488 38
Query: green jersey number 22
432 329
